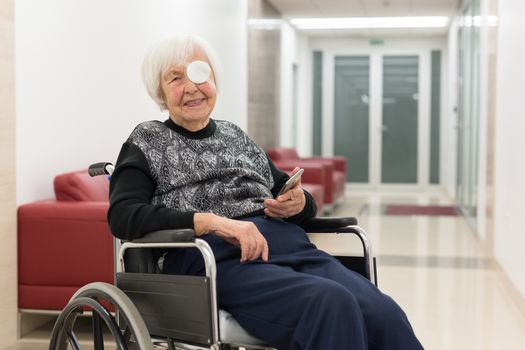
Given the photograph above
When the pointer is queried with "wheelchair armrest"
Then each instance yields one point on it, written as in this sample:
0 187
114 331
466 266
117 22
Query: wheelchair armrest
322 224
141 249
167 236
145 260
345 225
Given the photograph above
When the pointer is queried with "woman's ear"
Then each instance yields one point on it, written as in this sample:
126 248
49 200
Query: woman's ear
160 93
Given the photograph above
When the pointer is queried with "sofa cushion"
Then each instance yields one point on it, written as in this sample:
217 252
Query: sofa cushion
282 153
79 186
317 193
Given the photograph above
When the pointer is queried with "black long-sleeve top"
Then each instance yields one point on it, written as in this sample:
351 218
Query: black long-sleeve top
165 174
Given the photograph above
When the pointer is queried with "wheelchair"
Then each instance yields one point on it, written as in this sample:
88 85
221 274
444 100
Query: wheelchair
146 309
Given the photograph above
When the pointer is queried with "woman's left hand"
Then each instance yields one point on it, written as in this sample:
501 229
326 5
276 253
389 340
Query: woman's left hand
288 204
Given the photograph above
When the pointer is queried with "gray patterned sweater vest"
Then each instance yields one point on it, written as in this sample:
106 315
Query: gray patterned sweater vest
225 173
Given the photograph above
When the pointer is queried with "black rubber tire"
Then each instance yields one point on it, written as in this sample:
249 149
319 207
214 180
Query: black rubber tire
103 291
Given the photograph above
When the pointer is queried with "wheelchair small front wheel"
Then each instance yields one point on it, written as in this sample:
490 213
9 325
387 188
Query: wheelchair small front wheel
130 328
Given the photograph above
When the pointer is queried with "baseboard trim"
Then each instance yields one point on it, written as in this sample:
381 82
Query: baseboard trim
510 287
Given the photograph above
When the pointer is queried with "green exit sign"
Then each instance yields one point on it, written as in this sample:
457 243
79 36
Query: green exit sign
377 42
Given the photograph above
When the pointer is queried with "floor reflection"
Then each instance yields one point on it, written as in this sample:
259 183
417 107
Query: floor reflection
438 270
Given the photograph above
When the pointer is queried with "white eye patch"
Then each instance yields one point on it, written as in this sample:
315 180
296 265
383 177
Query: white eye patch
198 71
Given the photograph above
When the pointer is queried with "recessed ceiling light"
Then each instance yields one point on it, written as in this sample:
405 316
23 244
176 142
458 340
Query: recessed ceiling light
370 22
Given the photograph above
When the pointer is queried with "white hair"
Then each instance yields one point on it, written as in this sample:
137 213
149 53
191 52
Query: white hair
176 50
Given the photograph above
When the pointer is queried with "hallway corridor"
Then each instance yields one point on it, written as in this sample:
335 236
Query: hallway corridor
435 267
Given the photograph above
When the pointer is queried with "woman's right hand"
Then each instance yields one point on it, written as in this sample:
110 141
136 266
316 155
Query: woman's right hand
243 234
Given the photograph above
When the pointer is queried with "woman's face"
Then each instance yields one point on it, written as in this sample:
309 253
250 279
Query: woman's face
189 104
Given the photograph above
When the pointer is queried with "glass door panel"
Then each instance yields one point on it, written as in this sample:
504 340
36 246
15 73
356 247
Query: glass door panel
399 149
468 112
351 114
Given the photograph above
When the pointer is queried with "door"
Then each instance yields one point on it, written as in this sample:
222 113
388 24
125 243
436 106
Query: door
351 115
376 119
399 146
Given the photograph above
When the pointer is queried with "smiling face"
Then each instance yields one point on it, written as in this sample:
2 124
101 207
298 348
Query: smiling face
190 104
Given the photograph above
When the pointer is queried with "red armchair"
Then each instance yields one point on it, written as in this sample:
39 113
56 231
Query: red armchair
65 243
334 167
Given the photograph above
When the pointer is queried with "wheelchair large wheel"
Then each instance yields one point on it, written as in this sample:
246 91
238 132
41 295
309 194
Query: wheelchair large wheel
131 331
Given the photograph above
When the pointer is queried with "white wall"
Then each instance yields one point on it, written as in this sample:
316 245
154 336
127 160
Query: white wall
450 117
510 143
483 120
78 89
288 44
295 50
305 96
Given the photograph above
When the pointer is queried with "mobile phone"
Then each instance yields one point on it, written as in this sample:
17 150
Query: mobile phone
291 182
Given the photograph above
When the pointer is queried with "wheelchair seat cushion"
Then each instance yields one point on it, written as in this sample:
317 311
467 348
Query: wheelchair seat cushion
231 331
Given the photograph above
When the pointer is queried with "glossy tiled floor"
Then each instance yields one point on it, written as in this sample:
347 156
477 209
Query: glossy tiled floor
437 270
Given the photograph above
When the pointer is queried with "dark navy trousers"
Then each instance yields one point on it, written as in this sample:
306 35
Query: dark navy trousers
302 298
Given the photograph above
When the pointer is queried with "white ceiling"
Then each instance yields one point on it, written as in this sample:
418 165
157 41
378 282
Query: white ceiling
365 8
368 8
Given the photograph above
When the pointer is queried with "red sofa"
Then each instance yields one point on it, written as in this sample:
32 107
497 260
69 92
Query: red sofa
64 243
334 168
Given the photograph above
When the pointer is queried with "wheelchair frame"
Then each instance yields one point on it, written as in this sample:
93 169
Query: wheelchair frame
141 299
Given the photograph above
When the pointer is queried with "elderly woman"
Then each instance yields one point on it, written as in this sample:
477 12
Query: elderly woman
192 171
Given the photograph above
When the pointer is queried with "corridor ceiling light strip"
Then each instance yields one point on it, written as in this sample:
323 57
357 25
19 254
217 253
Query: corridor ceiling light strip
370 22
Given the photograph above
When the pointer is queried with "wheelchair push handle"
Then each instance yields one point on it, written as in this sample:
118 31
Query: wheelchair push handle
102 168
